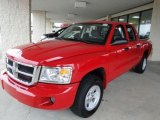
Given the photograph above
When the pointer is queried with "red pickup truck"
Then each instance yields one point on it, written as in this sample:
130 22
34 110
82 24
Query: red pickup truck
72 70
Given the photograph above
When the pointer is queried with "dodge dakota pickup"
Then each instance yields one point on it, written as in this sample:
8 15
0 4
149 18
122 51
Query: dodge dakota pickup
72 70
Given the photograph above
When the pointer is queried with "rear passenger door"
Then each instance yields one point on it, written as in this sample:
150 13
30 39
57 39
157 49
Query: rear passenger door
119 52
134 45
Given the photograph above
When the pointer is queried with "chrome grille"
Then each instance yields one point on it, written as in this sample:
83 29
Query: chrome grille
23 73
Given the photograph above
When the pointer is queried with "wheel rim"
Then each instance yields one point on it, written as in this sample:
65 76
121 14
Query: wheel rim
92 98
144 63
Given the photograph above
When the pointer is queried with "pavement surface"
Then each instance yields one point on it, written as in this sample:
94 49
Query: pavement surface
132 96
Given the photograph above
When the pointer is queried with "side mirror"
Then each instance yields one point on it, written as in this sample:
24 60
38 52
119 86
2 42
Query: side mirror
119 42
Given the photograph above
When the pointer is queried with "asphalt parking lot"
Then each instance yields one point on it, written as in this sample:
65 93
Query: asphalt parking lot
130 97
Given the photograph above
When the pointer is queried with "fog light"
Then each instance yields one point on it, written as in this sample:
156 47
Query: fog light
52 100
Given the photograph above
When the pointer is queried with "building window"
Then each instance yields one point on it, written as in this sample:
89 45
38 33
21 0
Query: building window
134 20
145 24
123 18
115 19
140 20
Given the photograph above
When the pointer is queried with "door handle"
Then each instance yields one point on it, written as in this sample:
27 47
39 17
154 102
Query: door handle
138 45
126 49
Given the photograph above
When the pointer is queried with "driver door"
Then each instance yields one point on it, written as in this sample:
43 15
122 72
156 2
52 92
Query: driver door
118 52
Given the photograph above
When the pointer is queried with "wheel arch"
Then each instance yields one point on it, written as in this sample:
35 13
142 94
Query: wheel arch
101 73
146 53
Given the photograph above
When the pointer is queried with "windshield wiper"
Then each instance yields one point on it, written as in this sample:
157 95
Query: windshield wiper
75 39
85 41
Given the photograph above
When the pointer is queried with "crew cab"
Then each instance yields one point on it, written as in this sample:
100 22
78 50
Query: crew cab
72 70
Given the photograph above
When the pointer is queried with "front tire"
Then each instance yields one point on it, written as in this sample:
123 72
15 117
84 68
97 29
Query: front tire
141 67
88 97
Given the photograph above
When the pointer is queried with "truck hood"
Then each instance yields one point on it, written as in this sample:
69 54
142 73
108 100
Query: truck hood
47 51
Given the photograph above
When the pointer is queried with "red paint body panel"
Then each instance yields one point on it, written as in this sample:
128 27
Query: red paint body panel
39 96
82 57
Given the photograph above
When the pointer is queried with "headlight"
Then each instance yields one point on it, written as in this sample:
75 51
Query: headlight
58 75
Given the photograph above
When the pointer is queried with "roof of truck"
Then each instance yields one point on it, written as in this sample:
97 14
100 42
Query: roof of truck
105 22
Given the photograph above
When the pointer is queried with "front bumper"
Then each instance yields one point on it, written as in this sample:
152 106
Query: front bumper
39 96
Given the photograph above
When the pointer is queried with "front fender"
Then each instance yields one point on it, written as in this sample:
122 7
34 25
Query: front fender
83 64
89 63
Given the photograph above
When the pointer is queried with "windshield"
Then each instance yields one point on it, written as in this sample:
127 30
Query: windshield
86 32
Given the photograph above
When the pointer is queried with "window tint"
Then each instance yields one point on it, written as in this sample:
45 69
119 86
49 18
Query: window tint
87 32
119 35
131 33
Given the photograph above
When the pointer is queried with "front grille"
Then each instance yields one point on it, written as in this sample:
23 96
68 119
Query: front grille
26 69
24 78
23 73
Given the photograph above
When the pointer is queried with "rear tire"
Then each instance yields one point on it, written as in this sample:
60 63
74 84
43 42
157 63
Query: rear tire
88 97
141 67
